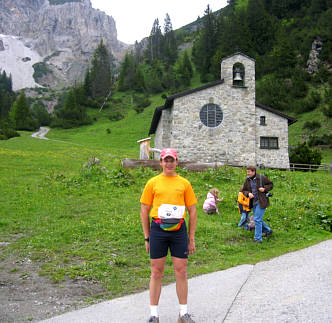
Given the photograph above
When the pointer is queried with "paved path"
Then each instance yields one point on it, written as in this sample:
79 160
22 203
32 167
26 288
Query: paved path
41 133
295 287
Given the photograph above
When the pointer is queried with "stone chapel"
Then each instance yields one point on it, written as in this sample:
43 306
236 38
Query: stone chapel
221 122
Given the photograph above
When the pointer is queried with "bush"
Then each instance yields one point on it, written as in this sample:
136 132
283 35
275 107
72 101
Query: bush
302 154
7 129
115 115
40 69
327 109
320 140
310 103
141 103
298 87
92 103
311 125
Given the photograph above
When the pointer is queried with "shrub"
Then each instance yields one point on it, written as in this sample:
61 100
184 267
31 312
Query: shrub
40 69
141 103
320 140
92 103
311 125
311 102
327 109
302 154
7 130
115 115
298 87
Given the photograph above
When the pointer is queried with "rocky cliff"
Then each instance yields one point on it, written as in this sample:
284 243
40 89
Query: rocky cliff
63 33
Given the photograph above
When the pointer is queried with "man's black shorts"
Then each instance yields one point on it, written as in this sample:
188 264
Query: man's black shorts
176 241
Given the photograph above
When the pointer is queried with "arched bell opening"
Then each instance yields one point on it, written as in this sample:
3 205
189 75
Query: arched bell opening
238 74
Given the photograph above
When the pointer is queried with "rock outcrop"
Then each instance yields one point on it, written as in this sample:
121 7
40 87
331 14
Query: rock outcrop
63 35
313 60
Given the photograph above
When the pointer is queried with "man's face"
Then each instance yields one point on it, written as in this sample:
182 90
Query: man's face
169 164
250 173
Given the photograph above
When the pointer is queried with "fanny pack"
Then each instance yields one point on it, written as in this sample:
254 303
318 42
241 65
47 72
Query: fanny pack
169 224
170 217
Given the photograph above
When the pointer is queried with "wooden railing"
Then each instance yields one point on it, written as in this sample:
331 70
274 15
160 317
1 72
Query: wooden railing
309 167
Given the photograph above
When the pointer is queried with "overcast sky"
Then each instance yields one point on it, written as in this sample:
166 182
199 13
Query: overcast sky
134 18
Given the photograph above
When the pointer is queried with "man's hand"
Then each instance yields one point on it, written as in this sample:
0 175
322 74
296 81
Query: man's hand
147 247
191 246
262 189
192 229
251 196
145 209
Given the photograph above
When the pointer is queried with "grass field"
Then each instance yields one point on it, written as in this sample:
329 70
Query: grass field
83 222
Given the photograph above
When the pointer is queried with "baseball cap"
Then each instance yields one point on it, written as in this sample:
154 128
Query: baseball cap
168 152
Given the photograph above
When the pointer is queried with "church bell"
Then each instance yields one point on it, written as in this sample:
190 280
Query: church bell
237 76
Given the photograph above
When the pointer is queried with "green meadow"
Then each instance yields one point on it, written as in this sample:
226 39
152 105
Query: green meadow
82 222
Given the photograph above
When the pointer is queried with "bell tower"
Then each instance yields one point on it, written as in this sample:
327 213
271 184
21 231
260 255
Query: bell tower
238 73
238 70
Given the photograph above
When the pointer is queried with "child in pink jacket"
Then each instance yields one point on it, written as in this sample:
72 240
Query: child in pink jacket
210 204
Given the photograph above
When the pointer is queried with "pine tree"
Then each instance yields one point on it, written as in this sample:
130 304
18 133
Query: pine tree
7 96
138 52
102 72
39 113
131 76
72 114
87 83
138 82
205 47
260 27
154 47
169 53
6 82
283 58
126 76
21 115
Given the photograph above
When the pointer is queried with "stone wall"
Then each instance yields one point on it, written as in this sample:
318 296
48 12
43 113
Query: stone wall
276 126
163 132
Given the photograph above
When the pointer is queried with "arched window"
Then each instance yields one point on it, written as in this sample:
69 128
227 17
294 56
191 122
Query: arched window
211 115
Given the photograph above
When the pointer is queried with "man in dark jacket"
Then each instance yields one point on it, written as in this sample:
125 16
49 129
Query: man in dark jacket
256 187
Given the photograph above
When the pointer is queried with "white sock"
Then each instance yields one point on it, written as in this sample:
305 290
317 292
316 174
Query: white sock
183 309
154 310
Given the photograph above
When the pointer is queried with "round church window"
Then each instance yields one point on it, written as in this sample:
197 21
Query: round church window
211 115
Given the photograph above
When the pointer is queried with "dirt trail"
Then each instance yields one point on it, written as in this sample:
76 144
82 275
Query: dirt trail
25 296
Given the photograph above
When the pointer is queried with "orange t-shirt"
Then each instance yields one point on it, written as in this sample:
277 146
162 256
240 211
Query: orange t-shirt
163 192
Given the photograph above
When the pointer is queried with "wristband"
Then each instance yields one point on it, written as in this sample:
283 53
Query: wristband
147 239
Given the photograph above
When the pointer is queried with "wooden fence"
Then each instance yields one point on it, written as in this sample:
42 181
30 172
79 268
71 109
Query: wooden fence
309 167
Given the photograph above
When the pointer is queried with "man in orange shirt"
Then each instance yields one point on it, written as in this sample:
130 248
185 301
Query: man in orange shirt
169 195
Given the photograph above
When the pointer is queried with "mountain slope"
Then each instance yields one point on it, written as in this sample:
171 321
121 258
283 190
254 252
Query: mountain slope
63 35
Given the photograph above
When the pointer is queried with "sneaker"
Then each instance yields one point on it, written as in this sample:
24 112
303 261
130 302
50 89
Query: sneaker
186 318
153 319
258 241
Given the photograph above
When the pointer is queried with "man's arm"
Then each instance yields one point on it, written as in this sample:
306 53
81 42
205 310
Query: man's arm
192 228
145 209
267 184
